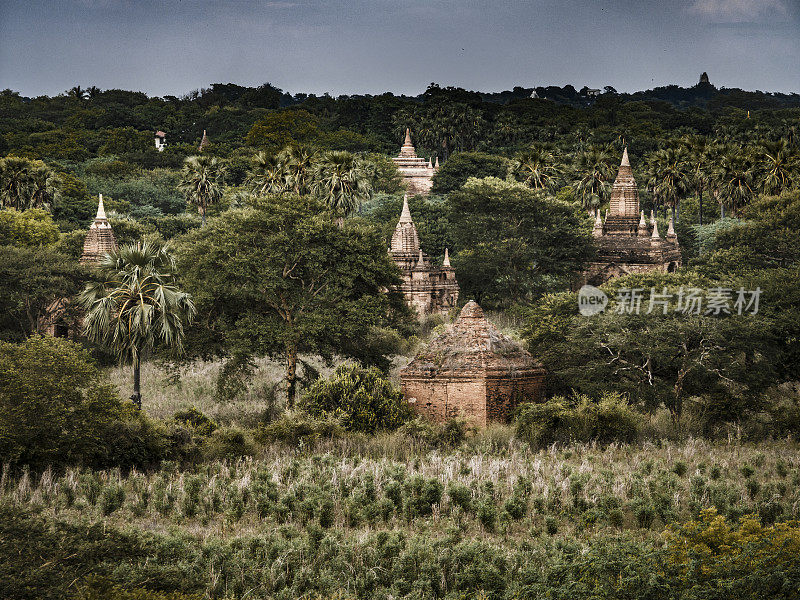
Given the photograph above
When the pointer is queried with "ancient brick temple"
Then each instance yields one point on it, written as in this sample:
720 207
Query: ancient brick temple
417 173
100 239
472 371
626 242
427 288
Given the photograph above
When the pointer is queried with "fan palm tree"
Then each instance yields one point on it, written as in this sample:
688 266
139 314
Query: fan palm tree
136 306
536 167
342 181
733 179
698 148
669 176
26 183
596 173
270 174
201 182
778 167
299 162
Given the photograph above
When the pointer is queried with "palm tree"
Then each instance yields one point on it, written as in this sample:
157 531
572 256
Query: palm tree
536 167
698 149
26 183
596 173
342 180
733 179
270 174
669 176
136 306
778 167
299 162
201 182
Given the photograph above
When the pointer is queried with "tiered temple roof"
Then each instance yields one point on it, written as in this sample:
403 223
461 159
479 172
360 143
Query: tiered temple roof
100 238
626 242
427 288
417 173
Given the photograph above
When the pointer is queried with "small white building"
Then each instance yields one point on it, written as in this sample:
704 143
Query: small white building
161 140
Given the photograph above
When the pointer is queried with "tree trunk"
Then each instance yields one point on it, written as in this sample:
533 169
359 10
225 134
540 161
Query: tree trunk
202 216
136 397
291 373
701 204
721 210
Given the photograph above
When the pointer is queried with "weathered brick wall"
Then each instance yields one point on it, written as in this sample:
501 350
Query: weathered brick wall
442 399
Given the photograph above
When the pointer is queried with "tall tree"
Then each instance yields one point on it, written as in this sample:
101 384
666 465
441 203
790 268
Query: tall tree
537 168
669 176
342 181
26 183
136 306
778 167
278 280
202 180
595 174
733 179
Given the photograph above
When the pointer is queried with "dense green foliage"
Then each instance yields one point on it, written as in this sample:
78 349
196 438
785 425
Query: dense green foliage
55 408
282 278
361 399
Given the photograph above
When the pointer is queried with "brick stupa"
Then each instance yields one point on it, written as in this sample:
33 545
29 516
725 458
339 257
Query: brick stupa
417 173
100 239
626 242
472 371
427 288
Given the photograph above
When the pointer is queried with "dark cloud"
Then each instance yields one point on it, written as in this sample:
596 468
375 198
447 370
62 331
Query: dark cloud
370 46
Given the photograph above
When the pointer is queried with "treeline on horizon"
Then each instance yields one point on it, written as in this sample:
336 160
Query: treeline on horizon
84 123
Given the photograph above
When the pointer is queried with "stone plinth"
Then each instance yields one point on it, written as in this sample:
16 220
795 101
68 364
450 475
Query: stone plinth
471 371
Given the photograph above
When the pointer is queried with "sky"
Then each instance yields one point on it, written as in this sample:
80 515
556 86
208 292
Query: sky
170 47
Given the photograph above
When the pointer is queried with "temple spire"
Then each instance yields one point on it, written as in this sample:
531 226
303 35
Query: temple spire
436 166
446 262
671 229
655 231
625 162
407 142
642 229
597 231
405 215
101 210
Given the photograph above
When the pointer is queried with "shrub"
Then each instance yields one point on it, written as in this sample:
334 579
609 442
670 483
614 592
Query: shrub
577 419
293 428
229 442
55 409
460 495
194 418
360 398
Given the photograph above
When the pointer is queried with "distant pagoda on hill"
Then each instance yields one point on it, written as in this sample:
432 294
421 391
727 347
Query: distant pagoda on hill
626 243
100 239
417 173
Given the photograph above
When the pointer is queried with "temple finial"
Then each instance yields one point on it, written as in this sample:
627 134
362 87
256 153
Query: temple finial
101 210
655 231
652 217
642 229
446 262
436 166
408 137
625 161
597 230
671 228
421 258
405 215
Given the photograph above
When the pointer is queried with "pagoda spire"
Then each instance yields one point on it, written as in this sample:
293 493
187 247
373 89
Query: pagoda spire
436 166
642 229
624 192
407 141
405 215
597 231
101 210
446 262
671 229
655 235
625 161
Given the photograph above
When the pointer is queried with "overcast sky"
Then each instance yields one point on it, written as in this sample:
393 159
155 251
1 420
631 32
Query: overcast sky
371 46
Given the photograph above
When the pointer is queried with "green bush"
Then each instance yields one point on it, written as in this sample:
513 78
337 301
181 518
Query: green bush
577 419
55 409
293 428
194 418
362 399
